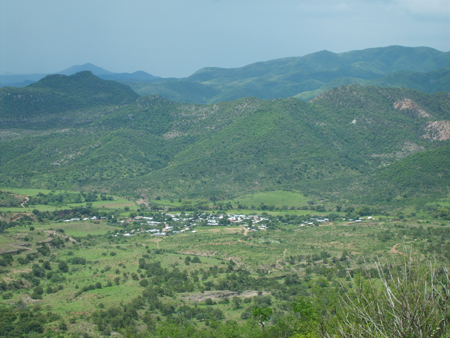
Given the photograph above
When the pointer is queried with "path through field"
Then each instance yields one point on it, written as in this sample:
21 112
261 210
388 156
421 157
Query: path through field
395 251
277 263
26 200
245 231
157 242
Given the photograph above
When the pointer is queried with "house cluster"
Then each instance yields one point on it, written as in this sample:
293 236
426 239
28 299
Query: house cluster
85 219
172 224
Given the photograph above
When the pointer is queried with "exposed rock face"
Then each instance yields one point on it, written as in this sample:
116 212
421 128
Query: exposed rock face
438 130
407 104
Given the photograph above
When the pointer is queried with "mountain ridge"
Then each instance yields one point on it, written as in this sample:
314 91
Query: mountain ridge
159 147
303 76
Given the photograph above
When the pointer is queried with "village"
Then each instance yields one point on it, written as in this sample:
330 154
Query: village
173 224
169 224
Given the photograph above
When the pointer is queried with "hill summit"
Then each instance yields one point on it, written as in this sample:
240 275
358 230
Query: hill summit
86 67
58 93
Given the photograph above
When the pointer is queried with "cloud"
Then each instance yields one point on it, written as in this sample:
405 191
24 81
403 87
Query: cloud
432 9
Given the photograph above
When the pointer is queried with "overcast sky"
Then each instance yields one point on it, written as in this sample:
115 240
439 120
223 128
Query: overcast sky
175 38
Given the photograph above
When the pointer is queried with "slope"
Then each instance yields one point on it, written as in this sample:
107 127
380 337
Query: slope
420 175
290 76
429 82
59 93
159 147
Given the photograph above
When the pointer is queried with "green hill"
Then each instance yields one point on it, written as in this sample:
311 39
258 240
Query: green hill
429 82
159 147
56 94
308 76
426 173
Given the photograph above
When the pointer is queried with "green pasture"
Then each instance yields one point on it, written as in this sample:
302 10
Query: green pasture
277 198
39 207
117 203
169 203
34 192
269 250
84 228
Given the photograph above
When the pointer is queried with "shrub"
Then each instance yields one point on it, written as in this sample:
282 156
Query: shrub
412 302
78 260
143 282
7 295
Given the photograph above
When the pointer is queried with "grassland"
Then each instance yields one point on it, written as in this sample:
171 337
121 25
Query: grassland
113 274
276 198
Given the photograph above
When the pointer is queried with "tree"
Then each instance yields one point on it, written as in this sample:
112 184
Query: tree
304 321
237 302
38 290
46 265
262 315
144 282
62 266
413 301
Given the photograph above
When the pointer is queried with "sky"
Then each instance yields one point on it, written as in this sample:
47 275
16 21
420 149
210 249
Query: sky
175 38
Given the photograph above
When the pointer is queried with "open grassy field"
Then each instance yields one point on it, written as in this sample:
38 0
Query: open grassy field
111 275
85 228
116 203
289 256
277 198
33 192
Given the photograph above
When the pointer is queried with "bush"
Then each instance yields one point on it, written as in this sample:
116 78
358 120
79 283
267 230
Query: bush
412 302
62 266
38 290
78 260
7 295
36 296
144 283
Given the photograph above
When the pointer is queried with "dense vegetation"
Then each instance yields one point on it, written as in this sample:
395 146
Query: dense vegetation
161 148
423 69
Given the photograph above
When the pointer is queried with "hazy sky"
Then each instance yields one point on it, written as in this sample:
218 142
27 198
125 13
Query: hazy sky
177 37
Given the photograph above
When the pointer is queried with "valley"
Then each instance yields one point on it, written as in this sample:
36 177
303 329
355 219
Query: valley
74 263
233 213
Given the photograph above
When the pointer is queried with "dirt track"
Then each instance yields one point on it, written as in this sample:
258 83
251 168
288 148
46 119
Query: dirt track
395 251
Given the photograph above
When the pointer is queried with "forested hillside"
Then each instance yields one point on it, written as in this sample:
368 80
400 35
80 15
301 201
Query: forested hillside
419 68
89 133
56 94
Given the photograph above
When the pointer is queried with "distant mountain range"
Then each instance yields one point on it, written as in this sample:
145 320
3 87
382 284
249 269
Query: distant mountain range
420 68
305 77
368 143
26 79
